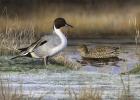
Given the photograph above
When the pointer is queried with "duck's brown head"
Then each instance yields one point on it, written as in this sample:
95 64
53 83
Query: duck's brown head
83 49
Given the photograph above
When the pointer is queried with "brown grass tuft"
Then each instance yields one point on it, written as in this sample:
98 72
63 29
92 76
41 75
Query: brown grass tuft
65 61
9 92
85 93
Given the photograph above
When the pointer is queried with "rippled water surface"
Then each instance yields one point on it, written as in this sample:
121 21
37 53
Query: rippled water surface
54 80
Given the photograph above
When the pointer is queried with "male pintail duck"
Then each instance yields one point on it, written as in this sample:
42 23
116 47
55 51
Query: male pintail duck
47 46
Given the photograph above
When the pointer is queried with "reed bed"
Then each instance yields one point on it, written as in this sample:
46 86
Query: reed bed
135 70
112 23
126 92
90 93
9 92
85 93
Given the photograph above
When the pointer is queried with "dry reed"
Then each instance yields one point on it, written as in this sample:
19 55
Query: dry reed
126 92
85 93
9 92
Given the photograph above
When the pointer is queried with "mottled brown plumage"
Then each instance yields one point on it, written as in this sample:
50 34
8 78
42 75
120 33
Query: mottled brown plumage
98 52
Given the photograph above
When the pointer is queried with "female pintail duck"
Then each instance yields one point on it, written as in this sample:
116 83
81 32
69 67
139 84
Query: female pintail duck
47 46
98 52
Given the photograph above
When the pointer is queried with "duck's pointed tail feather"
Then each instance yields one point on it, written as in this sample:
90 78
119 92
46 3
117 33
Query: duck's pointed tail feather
16 57
23 49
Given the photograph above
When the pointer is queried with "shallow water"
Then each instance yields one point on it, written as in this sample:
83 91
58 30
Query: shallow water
54 80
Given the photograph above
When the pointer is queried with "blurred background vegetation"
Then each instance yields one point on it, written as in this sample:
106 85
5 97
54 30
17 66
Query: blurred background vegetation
91 18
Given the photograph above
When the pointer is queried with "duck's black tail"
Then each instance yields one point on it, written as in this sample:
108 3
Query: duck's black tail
23 49
27 55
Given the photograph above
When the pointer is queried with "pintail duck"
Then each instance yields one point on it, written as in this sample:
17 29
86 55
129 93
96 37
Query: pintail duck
103 52
47 46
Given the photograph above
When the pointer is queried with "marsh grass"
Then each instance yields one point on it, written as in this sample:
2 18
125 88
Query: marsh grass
126 94
90 93
6 92
9 92
135 70
85 93
126 91
13 38
133 21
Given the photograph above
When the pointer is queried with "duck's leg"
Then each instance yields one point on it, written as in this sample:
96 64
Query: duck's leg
46 61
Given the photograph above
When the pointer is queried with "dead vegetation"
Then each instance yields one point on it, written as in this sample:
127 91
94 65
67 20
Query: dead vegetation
9 92
85 93
65 61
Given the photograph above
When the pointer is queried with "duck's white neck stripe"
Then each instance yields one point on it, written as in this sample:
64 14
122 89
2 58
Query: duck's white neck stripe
63 43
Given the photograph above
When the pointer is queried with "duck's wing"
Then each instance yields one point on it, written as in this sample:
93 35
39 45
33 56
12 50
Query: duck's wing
107 49
103 52
35 45
27 50
30 46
